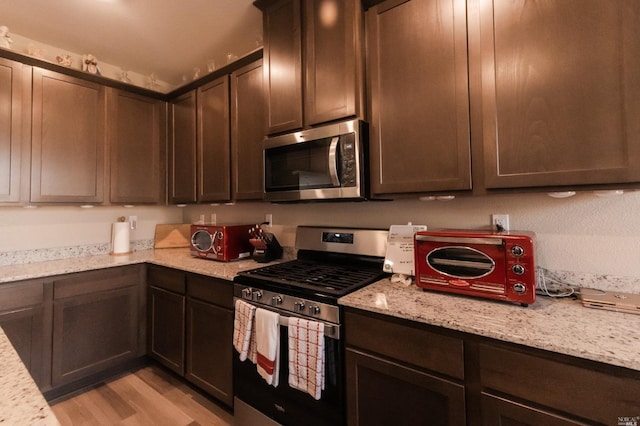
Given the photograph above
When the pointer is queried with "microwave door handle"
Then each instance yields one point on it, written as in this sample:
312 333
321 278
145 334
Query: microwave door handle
333 161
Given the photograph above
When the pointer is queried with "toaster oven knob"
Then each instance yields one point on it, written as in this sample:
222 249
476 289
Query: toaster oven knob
517 251
519 288
314 309
298 306
276 300
518 269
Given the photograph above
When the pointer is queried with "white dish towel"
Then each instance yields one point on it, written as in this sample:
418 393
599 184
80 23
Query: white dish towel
306 356
243 327
268 345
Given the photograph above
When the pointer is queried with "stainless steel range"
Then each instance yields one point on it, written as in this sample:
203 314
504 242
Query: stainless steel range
331 263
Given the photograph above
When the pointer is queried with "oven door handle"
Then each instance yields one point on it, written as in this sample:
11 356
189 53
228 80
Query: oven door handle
333 162
331 331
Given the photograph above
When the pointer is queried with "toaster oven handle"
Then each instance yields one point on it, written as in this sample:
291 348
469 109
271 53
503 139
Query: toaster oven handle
333 162
460 240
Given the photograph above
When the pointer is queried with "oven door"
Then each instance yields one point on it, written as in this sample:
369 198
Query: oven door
290 406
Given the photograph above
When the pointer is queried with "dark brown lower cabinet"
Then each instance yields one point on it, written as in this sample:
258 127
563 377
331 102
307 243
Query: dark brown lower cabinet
500 411
383 392
403 372
209 354
166 328
23 320
98 322
191 328
400 373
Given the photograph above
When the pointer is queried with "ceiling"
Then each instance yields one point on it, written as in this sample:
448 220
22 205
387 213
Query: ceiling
168 38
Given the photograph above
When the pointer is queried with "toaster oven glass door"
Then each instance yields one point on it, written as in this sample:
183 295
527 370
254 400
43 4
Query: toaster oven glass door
460 262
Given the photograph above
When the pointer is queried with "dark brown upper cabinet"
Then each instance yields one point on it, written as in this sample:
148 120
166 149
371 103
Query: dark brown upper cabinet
136 133
182 149
213 136
15 102
419 98
559 90
313 62
68 139
247 131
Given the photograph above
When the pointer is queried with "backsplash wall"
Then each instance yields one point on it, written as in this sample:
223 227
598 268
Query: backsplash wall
584 233
29 235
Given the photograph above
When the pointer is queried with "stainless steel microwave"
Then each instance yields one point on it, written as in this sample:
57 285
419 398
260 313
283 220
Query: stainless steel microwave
323 163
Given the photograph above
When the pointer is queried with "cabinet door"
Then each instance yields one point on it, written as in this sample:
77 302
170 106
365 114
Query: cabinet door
560 92
283 65
418 84
214 170
247 106
381 392
209 362
182 149
92 332
166 328
14 108
23 320
333 60
136 137
499 411
68 139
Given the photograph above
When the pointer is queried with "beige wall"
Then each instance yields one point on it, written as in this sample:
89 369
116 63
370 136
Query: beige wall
50 227
584 233
581 234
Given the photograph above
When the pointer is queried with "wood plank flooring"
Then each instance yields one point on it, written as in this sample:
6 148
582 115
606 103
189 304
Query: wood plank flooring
149 396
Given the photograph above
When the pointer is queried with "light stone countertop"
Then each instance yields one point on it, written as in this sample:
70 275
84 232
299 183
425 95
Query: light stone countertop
563 326
21 402
179 258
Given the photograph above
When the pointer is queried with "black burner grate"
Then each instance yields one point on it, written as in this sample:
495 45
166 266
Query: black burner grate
331 279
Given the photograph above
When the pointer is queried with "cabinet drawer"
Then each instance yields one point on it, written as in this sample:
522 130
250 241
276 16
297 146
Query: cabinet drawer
417 346
20 294
212 290
96 281
589 392
167 278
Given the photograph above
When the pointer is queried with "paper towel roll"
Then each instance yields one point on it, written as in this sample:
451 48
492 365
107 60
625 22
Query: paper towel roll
120 238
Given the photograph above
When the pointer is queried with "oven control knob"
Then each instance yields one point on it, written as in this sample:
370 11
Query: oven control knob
518 269
519 288
257 294
246 293
314 309
276 300
298 306
517 251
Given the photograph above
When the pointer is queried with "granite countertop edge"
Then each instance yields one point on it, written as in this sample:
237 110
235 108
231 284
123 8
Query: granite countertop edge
557 325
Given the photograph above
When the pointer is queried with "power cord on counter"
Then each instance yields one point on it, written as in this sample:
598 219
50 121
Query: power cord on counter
563 289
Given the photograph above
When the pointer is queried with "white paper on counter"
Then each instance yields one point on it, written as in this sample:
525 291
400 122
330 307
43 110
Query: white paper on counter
120 238
399 258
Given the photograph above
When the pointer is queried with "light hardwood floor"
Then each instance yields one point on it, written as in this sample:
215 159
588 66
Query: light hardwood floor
149 396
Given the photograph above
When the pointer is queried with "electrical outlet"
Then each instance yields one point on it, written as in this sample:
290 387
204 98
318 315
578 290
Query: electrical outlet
133 222
269 219
214 219
500 222
201 220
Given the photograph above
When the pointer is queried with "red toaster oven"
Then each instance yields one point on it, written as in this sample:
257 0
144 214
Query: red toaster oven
493 265
220 242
